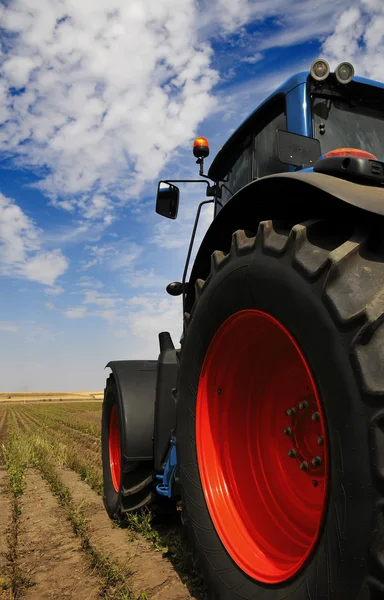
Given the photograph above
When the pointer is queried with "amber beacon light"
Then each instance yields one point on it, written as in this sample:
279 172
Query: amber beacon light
201 147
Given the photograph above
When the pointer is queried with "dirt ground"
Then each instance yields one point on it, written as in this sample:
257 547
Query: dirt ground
50 556
5 516
56 540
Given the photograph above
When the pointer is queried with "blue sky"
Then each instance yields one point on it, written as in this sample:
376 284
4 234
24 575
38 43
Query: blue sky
100 99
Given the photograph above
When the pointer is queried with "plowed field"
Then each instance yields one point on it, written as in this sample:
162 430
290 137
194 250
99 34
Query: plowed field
56 540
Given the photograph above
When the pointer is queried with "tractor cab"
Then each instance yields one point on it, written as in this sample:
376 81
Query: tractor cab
309 116
343 113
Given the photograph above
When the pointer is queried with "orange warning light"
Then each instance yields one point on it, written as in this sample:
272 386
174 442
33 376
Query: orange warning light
201 147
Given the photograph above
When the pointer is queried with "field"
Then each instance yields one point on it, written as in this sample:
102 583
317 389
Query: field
56 540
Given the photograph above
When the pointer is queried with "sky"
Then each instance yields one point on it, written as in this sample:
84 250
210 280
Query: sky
99 100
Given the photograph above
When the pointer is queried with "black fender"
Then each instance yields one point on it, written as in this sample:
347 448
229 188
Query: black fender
136 386
295 196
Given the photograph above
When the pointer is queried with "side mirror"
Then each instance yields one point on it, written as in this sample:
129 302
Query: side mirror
167 200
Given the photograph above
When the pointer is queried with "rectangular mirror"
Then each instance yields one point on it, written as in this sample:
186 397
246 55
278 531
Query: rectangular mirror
167 200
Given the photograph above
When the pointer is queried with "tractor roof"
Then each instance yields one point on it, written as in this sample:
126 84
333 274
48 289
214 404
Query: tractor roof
250 122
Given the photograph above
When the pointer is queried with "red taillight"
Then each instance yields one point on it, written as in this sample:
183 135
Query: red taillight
350 152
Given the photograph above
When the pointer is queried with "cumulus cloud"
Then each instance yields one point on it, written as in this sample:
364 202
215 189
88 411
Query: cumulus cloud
359 38
100 93
21 250
97 95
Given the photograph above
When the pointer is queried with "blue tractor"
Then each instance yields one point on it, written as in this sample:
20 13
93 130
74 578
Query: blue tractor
268 420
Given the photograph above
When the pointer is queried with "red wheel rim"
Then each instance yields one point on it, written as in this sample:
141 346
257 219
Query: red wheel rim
258 419
114 449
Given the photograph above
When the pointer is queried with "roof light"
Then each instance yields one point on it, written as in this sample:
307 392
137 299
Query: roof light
344 72
201 147
320 69
350 152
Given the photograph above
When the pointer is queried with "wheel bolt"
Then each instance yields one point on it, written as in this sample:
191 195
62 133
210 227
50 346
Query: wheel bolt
316 416
304 466
290 412
317 461
287 431
320 441
292 453
303 405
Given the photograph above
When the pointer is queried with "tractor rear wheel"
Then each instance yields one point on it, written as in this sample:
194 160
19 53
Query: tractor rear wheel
279 415
128 486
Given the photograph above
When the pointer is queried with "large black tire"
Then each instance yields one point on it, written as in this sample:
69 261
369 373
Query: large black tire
325 284
137 479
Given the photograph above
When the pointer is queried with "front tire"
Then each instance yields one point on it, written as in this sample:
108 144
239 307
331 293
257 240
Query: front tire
322 285
128 486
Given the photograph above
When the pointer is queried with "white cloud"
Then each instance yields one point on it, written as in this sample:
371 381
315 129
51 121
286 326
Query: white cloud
89 282
108 91
55 290
359 38
105 301
49 306
21 251
119 255
252 59
76 313
8 326
148 315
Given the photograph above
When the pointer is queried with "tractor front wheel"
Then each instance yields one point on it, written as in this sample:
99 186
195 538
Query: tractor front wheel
279 419
128 486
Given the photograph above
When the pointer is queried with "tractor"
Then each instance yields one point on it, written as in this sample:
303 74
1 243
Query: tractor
266 423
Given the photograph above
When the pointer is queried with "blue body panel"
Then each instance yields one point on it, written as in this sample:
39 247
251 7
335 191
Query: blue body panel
299 117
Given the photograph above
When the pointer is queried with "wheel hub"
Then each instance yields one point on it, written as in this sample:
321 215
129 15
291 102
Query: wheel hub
306 435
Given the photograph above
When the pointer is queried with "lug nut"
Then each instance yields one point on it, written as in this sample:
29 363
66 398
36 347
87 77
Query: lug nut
290 412
303 405
317 461
292 453
316 416
304 466
287 431
320 441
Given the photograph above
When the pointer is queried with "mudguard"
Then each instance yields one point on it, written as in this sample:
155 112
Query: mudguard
136 386
297 196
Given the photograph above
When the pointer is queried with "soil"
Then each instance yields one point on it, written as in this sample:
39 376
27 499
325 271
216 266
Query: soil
49 553
151 572
5 515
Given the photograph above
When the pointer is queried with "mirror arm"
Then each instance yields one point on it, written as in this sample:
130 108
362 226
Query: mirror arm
211 189
190 252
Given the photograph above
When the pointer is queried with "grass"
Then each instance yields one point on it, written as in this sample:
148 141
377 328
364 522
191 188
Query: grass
16 455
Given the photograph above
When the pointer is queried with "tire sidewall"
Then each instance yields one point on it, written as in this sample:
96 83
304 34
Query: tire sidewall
112 499
269 283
